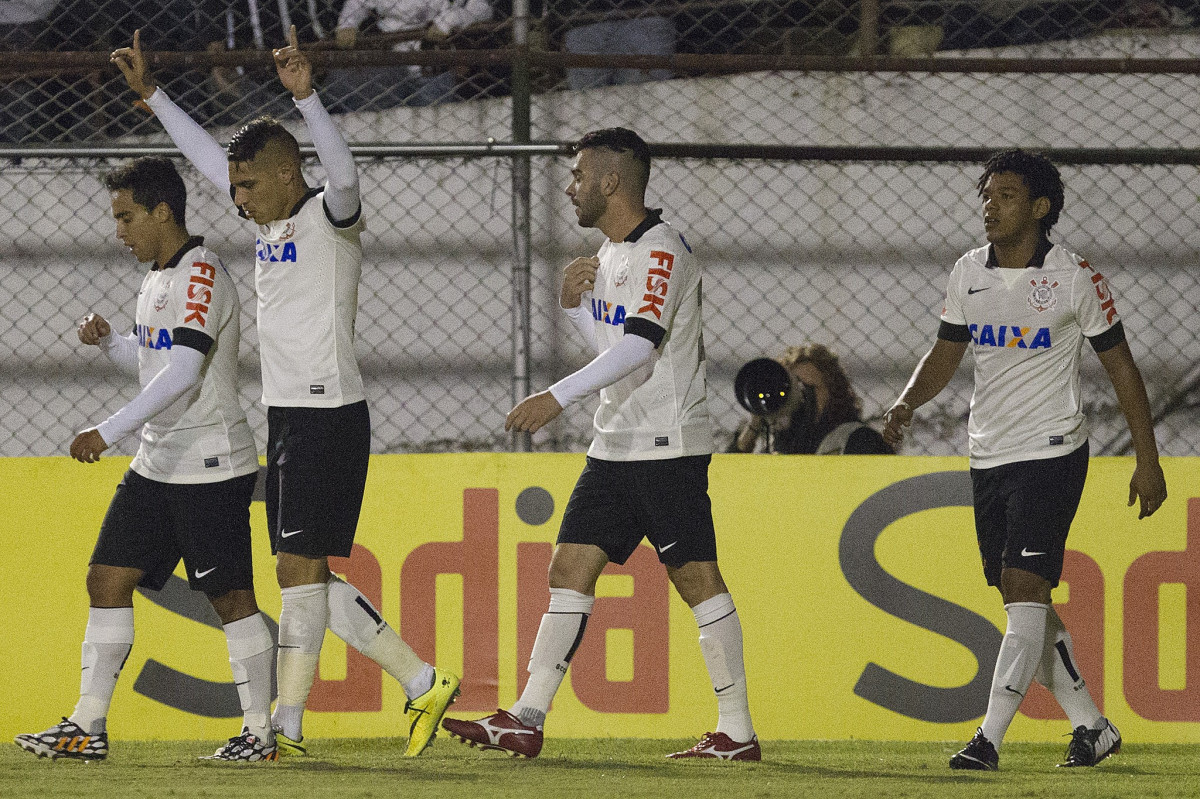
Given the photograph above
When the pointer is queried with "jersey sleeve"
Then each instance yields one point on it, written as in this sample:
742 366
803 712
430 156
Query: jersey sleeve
582 320
122 351
952 310
663 271
203 300
181 373
205 153
342 202
1095 308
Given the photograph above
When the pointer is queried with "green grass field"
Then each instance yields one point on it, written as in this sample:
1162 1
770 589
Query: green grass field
603 767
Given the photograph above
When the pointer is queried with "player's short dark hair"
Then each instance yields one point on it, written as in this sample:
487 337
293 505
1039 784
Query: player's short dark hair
619 140
256 134
151 180
1041 178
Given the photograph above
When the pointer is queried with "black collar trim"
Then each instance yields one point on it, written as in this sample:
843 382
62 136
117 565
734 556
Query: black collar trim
308 195
192 243
653 217
1037 261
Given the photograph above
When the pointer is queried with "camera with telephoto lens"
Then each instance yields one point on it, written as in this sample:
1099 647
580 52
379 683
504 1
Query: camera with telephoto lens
762 386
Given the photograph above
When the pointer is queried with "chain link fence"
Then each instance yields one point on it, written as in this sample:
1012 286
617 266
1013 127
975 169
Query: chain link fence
375 55
826 200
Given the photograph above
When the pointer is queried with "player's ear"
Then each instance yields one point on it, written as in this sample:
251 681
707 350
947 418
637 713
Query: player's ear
287 171
610 182
1041 207
162 213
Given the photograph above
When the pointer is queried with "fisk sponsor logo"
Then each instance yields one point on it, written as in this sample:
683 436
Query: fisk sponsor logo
199 292
1010 336
610 313
656 283
276 253
1102 291
155 338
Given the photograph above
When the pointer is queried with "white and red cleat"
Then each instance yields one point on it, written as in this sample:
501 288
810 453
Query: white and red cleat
501 731
721 746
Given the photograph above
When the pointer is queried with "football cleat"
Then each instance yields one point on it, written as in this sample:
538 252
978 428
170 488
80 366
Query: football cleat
501 731
426 711
65 740
1088 747
720 746
286 746
977 755
246 748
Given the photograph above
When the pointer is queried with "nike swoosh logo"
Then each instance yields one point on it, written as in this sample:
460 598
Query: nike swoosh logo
1025 553
976 291
287 534
200 574
1014 690
727 755
668 546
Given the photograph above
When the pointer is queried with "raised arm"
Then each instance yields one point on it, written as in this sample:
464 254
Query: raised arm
341 184
192 140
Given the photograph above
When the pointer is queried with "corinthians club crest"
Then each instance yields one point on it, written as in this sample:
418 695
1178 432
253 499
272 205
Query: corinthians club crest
1042 298
160 299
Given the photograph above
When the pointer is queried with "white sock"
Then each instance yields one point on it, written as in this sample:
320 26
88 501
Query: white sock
1020 654
1059 672
302 622
250 651
558 637
721 645
354 619
106 645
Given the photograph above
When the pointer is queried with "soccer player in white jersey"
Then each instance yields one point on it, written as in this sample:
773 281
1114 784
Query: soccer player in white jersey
308 263
187 493
638 303
1025 306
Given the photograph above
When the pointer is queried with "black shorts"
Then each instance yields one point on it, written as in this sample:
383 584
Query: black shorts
150 525
616 504
1023 512
316 473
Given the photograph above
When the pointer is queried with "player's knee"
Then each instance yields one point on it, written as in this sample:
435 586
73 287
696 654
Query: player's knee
1018 585
576 567
111 587
292 570
234 605
697 581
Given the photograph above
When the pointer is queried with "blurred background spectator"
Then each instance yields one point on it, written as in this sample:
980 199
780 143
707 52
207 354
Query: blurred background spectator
628 27
22 24
430 21
821 414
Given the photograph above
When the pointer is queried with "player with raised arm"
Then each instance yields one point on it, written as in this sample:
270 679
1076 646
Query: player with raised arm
307 268
638 303
1025 306
187 493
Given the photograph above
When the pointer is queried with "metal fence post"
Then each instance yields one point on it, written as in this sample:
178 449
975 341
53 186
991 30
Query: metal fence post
521 180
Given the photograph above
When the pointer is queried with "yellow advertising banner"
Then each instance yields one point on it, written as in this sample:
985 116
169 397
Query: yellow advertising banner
857 581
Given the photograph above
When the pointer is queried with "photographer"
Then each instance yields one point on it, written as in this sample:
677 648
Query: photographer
806 408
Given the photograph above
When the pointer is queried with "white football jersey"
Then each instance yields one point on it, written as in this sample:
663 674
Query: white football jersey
306 273
661 410
203 436
1027 329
